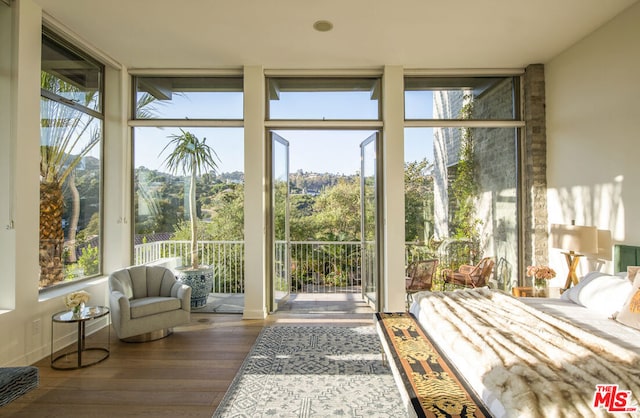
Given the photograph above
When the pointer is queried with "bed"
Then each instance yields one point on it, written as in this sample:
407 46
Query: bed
542 357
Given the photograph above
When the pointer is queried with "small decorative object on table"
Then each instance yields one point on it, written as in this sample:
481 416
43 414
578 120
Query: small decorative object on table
540 274
76 301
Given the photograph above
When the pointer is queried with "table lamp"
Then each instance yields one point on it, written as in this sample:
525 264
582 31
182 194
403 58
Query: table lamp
574 240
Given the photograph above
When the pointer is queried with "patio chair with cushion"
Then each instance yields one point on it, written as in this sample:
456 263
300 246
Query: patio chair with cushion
470 276
419 277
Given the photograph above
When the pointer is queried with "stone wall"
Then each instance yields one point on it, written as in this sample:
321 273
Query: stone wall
495 156
535 222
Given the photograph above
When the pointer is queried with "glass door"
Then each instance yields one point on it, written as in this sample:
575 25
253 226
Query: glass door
369 228
281 275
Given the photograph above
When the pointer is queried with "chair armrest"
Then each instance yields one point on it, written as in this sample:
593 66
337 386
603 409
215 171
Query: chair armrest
119 304
466 269
183 292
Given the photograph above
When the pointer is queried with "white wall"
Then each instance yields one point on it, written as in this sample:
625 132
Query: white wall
19 340
25 314
593 125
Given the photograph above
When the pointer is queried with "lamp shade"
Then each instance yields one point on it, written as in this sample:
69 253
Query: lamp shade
604 244
580 239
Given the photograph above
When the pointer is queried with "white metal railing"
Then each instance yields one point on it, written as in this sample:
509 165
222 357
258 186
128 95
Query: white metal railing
226 257
314 267
325 266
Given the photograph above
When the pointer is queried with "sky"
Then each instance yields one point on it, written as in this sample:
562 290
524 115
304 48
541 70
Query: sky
331 151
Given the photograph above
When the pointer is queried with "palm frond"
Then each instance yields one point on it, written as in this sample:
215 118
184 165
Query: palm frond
67 135
189 154
145 106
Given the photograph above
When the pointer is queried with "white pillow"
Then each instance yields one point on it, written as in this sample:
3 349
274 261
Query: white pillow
570 293
602 293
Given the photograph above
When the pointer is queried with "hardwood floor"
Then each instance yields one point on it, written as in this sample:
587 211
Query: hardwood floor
183 375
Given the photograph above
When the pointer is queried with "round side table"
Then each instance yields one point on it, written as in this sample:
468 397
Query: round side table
93 355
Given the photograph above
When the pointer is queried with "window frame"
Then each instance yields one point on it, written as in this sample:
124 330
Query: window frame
135 120
415 80
517 123
323 85
99 116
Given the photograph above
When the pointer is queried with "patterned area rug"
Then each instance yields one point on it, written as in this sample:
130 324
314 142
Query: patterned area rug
428 380
307 371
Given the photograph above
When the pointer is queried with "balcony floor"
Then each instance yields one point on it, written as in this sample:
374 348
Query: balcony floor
295 304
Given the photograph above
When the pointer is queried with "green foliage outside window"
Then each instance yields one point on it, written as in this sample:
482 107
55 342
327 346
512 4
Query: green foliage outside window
418 201
464 187
323 207
89 261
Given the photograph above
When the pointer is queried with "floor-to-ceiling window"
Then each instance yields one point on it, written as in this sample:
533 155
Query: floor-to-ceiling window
71 126
211 109
419 194
325 121
468 206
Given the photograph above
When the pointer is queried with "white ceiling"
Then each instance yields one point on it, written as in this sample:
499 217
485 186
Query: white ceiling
278 34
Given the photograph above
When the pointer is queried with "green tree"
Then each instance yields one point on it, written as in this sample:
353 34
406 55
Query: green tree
68 136
91 230
418 201
89 260
227 206
338 211
191 156
301 219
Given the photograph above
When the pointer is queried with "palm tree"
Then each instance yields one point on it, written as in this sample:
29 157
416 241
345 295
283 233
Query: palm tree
191 156
67 137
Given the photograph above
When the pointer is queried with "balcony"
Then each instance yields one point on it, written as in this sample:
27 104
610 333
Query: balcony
315 266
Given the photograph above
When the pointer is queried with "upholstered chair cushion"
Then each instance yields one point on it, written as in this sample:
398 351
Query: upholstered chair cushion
145 299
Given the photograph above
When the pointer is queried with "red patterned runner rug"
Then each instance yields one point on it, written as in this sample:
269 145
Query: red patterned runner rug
431 382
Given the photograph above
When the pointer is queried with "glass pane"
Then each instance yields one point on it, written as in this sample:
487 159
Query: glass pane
70 75
369 219
189 98
419 193
324 98
476 203
161 204
280 208
476 98
70 178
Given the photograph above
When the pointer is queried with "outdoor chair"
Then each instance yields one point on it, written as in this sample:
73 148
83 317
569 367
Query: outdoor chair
470 276
419 277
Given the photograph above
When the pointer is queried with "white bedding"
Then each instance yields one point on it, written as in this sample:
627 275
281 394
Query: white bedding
596 322
467 364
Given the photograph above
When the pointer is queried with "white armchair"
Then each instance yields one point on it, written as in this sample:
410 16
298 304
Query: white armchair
147 302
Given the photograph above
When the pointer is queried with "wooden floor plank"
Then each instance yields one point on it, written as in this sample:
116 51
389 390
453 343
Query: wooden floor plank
184 375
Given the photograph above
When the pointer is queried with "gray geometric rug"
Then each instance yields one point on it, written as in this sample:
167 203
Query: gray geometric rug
307 371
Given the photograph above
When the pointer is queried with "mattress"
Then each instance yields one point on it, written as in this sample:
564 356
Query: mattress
594 322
